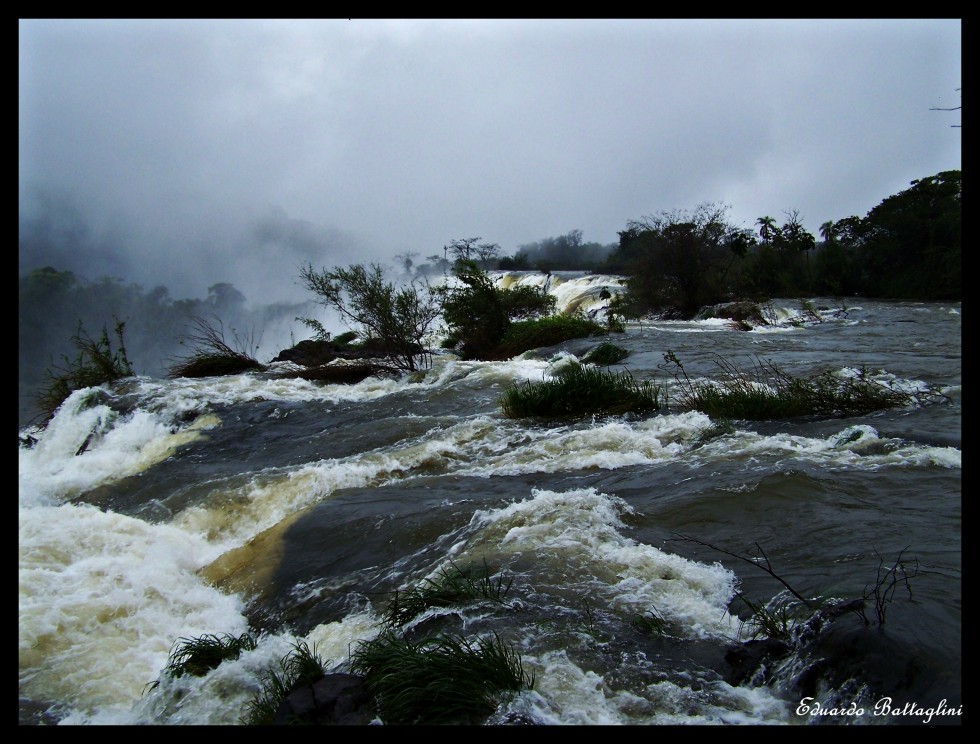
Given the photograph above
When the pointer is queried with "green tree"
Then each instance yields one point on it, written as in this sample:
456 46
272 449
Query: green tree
740 242
470 249
407 260
911 242
518 262
827 231
398 319
767 229
678 261
834 269
796 240
477 313
566 252
225 300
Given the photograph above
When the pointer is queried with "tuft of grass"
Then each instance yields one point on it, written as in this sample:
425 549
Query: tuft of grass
302 665
589 625
524 335
715 430
582 391
212 355
346 339
766 392
741 316
605 353
95 365
442 680
261 709
213 365
650 622
765 622
198 656
452 587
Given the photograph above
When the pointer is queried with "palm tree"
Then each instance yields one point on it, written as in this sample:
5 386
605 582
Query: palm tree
828 231
767 228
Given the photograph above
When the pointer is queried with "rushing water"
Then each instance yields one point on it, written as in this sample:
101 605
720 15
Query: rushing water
292 510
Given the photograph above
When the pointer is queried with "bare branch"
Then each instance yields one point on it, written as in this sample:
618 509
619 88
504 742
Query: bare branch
767 566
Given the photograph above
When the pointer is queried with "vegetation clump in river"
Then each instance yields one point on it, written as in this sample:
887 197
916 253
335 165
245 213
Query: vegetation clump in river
767 392
582 391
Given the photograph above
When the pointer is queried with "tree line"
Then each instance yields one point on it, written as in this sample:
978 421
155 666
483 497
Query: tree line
908 247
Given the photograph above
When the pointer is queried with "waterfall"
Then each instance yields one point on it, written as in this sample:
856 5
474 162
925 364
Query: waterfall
574 291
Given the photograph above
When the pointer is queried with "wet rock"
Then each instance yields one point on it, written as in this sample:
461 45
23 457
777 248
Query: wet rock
338 374
334 700
745 660
309 353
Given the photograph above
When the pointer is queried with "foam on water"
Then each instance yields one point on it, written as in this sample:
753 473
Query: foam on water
584 528
854 447
566 694
482 446
111 445
608 445
102 597
222 696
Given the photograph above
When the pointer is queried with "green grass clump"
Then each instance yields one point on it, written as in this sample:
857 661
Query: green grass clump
451 588
581 391
766 392
766 623
650 622
96 364
302 665
713 431
532 334
442 680
605 353
198 656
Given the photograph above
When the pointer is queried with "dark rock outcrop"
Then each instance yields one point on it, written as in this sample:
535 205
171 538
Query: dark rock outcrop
334 700
339 374
309 353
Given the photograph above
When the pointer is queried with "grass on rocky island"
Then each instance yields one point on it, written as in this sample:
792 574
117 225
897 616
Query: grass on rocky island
764 622
582 391
198 656
211 355
442 680
767 392
525 335
451 588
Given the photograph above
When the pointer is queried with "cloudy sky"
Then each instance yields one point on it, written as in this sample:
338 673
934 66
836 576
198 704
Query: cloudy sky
187 153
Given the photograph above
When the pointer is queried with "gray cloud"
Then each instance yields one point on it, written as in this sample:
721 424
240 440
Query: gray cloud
192 152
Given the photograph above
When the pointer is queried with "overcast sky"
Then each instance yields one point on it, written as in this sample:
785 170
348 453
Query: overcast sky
187 153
